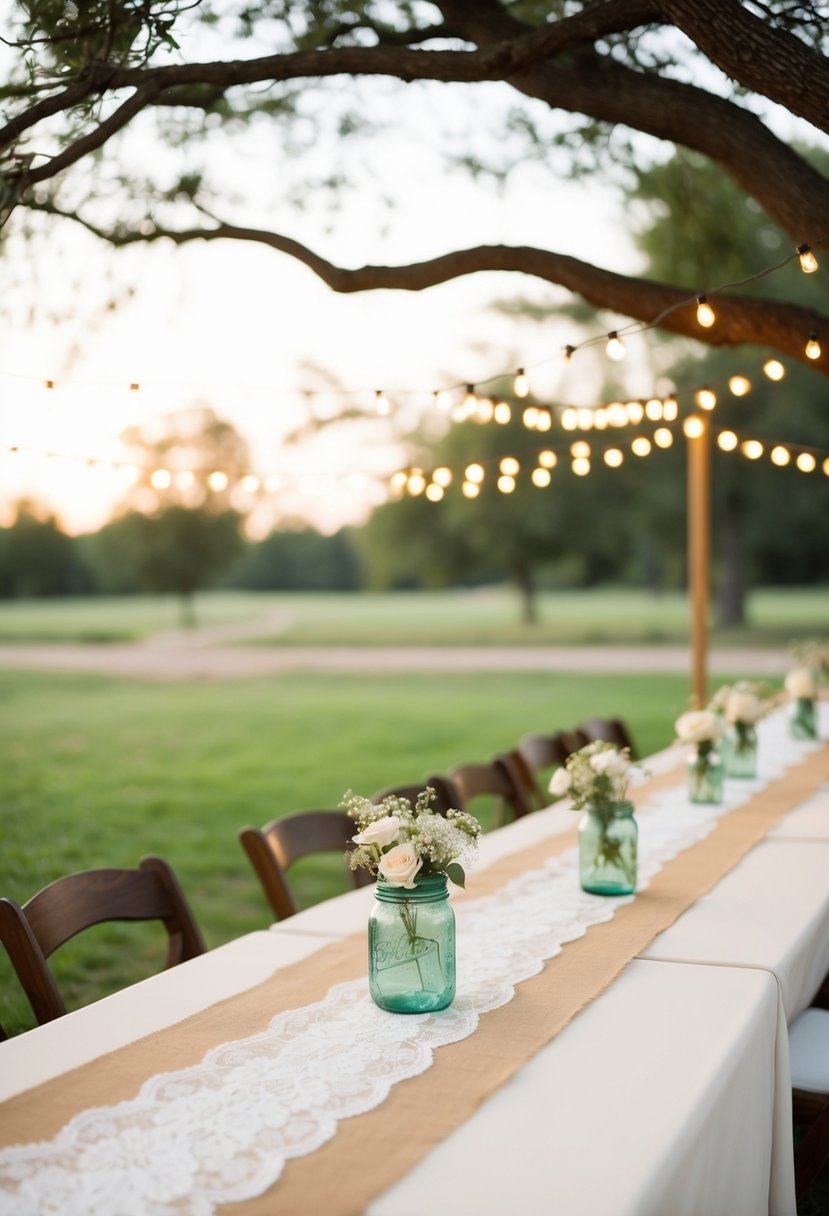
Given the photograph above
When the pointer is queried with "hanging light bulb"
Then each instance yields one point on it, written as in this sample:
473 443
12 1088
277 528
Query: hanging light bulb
580 448
693 426
250 483
585 419
509 465
739 385
653 409
581 466
641 446
49 384
471 489
530 417
600 420
503 413
635 412
547 459
217 481
416 483
442 477
780 455
727 440
484 410
806 462
826 466
569 351
752 449
670 409
474 472
541 478
705 398
808 261
615 347
545 420
470 401
614 457
434 492
813 348
705 313
521 386
569 419
662 437
440 400
506 483
774 369
381 403
617 415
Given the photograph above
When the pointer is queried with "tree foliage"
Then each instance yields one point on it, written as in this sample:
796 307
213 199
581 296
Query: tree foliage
588 81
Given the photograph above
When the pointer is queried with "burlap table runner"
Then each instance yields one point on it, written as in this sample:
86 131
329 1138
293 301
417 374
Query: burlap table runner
424 1110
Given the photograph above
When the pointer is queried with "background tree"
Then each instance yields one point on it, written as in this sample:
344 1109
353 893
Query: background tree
38 559
585 77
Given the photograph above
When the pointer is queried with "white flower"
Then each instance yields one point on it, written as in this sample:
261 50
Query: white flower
699 726
560 783
744 707
799 683
381 832
400 865
611 763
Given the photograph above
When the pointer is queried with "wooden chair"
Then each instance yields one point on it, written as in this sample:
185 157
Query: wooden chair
76 902
446 797
611 730
809 1059
276 846
498 778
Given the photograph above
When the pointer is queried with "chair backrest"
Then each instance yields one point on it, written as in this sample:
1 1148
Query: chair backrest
544 751
446 796
611 730
528 779
498 777
276 846
76 902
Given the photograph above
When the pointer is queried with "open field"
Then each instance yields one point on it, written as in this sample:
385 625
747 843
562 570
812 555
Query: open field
98 771
488 616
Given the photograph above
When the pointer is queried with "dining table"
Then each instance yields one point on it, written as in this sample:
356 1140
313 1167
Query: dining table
625 1056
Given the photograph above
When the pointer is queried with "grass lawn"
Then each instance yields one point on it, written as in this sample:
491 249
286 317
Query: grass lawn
95 771
470 617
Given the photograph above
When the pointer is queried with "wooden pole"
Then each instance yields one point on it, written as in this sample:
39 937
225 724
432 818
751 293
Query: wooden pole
698 434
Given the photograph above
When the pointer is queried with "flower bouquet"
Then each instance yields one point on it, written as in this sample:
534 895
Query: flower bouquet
412 851
703 728
801 686
742 705
596 778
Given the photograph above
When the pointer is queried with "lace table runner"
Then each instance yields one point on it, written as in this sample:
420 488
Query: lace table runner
222 1131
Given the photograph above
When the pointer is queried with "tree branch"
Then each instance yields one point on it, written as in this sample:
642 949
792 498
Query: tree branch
740 320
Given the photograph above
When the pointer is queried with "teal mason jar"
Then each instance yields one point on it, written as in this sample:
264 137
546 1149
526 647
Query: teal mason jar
706 774
803 718
607 849
742 751
411 946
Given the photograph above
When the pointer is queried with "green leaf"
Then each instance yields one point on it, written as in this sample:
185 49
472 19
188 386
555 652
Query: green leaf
455 874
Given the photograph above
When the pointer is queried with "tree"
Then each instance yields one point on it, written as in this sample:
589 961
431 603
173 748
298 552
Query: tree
84 76
38 559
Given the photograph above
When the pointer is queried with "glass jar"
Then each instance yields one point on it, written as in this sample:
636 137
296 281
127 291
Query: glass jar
706 774
607 849
741 757
411 946
803 718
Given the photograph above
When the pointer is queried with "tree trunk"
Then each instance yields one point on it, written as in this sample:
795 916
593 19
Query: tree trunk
188 609
529 596
731 599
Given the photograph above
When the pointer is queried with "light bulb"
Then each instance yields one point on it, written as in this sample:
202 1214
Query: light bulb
442 477
806 462
541 478
585 419
662 437
471 489
617 415
615 347
813 349
727 440
705 398
808 261
506 483
474 472
503 413
752 449
739 385
774 369
417 482
250 483
185 480
161 479
545 420
50 384
780 455
509 465
635 412
670 409
470 402
530 417
826 466
434 492
653 409
641 446
569 351
521 387
547 459
484 410
600 418
569 419
613 457
440 400
694 427
581 466
217 481
580 448
705 313
381 403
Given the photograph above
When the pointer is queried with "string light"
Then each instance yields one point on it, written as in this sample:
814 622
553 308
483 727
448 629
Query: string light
693 427
780 456
615 348
161 479
474 472
581 466
662 437
506 483
547 459
217 480
569 351
485 410
442 477
739 385
580 449
653 409
635 412
530 417
417 482
705 398
471 489
641 446
48 384
503 413
381 403
545 420
600 418
434 492
752 449
613 457
617 415
440 400
774 369
813 350
826 466
705 313
569 419
670 409
521 385
806 462
541 477
509 466
727 440
808 261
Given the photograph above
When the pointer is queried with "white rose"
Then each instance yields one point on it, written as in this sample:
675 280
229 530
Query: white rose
698 726
381 832
744 707
799 683
561 783
611 763
400 865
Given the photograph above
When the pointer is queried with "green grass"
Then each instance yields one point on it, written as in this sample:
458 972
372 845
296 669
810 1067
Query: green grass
470 617
95 771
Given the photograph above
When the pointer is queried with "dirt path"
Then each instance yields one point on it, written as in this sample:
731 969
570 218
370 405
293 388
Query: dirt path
167 657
